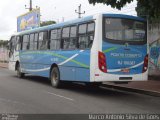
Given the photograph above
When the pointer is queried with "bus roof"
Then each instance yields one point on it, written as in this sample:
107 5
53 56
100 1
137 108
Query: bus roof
74 22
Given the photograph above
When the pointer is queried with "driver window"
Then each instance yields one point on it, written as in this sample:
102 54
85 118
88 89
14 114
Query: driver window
12 43
18 43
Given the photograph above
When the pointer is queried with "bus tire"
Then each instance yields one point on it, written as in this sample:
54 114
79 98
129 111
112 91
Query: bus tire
55 78
19 73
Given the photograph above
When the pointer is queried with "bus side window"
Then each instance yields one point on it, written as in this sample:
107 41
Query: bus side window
86 35
18 43
31 44
82 38
35 41
90 33
13 39
65 37
25 45
43 41
73 37
12 45
55 39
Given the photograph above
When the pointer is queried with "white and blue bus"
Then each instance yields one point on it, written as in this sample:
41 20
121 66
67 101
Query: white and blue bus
93 49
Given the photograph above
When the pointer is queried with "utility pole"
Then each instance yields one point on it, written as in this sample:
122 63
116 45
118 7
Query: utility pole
79 11
30 6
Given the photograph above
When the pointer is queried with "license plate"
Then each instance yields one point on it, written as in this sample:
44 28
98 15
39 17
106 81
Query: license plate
125 70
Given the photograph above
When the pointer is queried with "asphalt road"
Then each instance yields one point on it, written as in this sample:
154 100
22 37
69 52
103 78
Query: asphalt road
35 95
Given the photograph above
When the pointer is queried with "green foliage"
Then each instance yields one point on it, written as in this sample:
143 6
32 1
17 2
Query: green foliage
45 23
150 8
3 43
114 3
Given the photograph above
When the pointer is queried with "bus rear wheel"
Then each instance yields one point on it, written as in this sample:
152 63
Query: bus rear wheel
19 73
55 78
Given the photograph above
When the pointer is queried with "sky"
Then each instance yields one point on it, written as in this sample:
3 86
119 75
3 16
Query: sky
56 10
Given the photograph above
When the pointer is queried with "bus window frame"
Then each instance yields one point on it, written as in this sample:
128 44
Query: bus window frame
30 41
11 46
13 42
86 34
47 40
37 39
62 38
19 43
62 42
76 37
60 46
26 42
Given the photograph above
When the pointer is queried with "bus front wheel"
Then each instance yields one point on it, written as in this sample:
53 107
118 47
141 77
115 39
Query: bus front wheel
19 73
55 78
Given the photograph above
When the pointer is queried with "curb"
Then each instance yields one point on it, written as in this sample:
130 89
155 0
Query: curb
134 90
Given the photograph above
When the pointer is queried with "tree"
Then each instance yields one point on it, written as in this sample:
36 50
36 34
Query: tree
149 8
144 7
3 43
114 3
45 23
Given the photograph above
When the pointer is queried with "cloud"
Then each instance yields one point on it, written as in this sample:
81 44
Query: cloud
9 10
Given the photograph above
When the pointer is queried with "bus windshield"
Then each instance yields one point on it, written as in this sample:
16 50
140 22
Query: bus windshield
117 29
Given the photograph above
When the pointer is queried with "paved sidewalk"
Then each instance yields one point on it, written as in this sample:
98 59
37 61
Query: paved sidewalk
150 87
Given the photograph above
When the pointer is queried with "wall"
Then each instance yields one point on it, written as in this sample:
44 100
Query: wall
3 54
154 47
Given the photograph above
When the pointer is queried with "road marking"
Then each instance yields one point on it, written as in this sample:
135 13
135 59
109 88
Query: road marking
61 96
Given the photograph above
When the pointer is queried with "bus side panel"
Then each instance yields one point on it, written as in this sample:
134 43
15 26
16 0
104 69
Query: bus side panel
67 73
74 65
36 69
66 64
83 75
83 68
36 62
